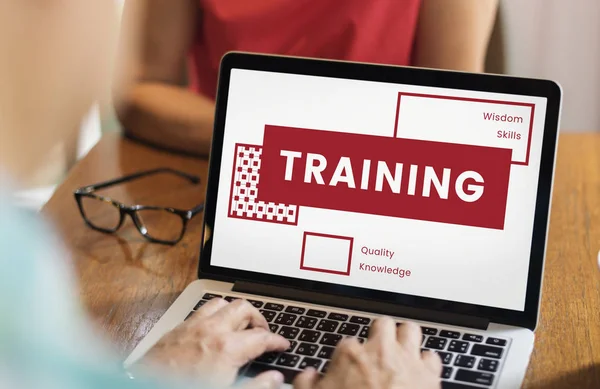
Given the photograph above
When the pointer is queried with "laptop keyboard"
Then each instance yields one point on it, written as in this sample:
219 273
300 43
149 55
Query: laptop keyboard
470 360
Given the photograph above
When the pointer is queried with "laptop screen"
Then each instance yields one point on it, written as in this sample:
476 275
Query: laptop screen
405 189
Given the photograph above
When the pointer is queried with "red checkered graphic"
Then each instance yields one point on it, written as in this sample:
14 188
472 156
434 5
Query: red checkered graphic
243 203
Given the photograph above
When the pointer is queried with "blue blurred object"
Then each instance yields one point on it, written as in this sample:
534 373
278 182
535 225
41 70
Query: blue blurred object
45 339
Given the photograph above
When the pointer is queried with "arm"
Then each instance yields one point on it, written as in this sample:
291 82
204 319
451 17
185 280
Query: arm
454 34
155 107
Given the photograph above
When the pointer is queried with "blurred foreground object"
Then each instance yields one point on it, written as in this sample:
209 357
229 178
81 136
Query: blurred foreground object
55 76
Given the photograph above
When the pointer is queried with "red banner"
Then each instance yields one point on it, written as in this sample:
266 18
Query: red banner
413 179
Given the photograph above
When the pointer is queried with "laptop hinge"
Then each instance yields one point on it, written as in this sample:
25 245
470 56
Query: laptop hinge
361 305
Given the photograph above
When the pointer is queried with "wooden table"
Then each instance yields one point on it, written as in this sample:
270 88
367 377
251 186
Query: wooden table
128 283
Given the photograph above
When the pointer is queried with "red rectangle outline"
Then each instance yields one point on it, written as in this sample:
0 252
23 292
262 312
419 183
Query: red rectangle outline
473 100
230 214
346 273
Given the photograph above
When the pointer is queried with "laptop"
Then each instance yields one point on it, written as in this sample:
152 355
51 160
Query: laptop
339 192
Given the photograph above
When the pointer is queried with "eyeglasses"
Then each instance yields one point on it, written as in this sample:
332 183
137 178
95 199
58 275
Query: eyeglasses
157 224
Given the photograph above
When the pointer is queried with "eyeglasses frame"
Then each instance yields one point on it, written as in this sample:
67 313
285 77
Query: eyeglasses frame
131 210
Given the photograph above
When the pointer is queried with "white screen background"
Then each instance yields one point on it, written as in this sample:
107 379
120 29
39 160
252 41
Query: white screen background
449 262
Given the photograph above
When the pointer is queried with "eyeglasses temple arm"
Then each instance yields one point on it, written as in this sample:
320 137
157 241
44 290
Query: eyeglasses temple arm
199 208
131 177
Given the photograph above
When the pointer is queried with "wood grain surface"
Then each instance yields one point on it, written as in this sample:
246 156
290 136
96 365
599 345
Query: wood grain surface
127 283
567 347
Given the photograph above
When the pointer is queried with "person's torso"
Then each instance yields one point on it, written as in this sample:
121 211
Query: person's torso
380 31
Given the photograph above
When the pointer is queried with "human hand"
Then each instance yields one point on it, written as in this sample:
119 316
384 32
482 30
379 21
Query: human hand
215 342
390 358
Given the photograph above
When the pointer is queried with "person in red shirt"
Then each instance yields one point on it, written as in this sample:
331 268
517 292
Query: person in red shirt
185 40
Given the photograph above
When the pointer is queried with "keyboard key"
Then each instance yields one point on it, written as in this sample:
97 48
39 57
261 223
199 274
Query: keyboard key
269 315
436 343
326 352
473 338
488 364
475 377
306 322
274 307
189 315
286 319
337 316
289 332
200 303
360 320
288 360
210 296
327 325
309 336
487 351
445 357
309 349
457 385
231 298
268 357
447 372
293 344
273 328
348 329
429 330
296 310
450 334
496 341
316 313
331 339
458 347
255 303
310 362
361 340
255 369
364 333
325 366
464 361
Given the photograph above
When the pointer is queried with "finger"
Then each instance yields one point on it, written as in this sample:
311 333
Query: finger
267 380
432 361
251 344
307 379
348 350
383 331
409 335
211 307
240 314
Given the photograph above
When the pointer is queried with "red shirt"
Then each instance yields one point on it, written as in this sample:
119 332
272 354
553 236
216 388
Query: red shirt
380 31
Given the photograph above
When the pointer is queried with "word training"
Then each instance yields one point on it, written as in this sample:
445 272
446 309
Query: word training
385 176
344 174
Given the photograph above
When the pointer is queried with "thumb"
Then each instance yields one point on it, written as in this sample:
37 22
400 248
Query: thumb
267 380
307 379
